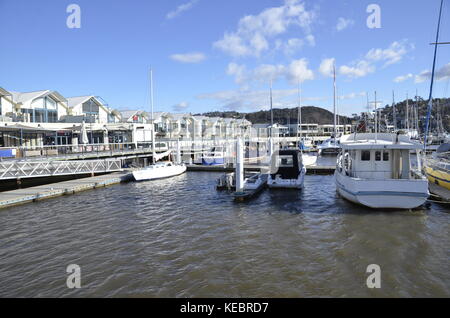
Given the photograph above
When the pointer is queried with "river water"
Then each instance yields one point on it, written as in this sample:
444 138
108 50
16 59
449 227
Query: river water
179 237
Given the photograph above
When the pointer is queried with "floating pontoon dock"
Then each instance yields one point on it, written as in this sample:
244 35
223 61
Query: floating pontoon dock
21 196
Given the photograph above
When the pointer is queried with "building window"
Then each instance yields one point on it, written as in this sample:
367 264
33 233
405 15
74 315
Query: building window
385 156
365 155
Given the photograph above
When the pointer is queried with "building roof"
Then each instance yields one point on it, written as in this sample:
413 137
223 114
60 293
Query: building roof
19 97
4 92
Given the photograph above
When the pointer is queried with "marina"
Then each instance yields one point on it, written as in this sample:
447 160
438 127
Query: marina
260 157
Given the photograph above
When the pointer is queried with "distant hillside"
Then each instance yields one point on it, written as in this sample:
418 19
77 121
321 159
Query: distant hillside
441 106
310 114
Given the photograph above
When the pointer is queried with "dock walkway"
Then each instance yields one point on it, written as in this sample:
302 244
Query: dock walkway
21 196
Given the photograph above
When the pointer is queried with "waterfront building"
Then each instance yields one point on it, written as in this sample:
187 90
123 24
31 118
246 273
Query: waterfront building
89 109
135 116
39 107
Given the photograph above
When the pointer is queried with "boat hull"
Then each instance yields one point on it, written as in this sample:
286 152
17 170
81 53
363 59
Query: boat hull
158 173
386 194
279 183
438 177
213 161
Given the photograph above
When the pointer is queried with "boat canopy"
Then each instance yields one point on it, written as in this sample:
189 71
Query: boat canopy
382 141
286 163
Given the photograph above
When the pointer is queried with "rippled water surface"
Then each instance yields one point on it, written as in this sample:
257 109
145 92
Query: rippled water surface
180 238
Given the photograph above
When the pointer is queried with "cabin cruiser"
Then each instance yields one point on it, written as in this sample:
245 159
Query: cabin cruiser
330 146
216 156
163 169
374 170
287 170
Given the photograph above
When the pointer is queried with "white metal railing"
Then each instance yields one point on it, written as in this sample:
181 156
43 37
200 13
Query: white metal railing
27 169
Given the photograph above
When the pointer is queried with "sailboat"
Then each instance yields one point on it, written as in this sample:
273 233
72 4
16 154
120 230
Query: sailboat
437 167
375 170
331 146
163 169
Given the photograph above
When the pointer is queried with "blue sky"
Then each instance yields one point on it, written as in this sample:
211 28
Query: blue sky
221 55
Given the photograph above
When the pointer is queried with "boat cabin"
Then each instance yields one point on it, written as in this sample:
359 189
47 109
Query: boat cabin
287 164
386 158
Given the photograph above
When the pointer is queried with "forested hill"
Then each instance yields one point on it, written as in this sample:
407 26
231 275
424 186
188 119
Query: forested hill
310 114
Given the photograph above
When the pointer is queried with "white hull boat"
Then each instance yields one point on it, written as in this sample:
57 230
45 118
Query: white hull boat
378 194
287 170
309 159
375 171
159 170
329 147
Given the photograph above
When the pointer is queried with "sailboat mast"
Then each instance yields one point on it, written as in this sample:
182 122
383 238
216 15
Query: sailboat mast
430 99
299 109
334 101
376 118
271 109
151 118
394 111
407 112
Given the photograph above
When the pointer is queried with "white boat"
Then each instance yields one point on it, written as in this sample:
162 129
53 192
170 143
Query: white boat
375 170
216 156
309 159
330 146
287 170
160 170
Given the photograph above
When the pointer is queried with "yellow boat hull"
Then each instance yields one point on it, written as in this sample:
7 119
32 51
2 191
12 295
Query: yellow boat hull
438 177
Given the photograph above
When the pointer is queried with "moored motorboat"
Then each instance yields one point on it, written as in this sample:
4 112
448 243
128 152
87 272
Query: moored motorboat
375 171
216 156
329 147
287 170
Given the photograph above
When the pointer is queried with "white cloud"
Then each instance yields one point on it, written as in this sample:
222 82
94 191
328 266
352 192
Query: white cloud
255 31
344 24
364 66
441 74
393 54
294 72
181 8
194 57
238 71
311 40
359 69
180 107
403 78
326 67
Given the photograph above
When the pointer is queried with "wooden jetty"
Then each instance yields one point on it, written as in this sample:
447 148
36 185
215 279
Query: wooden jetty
33 194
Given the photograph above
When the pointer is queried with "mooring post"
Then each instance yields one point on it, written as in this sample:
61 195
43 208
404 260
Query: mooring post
178 152
239 166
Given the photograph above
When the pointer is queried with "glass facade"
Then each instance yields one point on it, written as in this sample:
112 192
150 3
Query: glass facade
44 110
